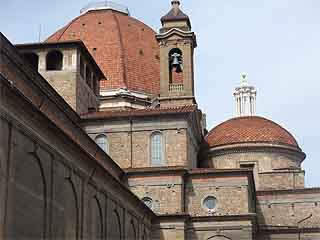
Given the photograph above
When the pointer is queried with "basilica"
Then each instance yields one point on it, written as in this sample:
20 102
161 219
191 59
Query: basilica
101 137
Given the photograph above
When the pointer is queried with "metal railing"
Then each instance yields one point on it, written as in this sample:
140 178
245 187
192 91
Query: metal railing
105 5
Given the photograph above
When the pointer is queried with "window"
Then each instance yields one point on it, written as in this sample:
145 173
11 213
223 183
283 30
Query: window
102 142
210 203
157 155
54 61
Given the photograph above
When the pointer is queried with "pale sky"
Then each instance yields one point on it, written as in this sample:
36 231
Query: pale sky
276 42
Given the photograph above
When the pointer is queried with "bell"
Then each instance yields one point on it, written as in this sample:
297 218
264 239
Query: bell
175 60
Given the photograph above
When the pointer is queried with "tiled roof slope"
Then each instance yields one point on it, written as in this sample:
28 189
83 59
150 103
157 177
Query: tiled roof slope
139 112
174 15
125 49
249 130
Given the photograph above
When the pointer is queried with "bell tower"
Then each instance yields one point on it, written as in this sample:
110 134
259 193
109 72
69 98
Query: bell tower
177 43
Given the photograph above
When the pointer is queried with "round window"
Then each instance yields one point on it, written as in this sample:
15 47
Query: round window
210 202
147 201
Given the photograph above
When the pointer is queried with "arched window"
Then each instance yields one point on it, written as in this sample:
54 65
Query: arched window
176 66
32 59
102 141
147 201
157 149
54 61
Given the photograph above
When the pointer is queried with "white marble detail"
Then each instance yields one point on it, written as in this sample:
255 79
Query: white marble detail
245 98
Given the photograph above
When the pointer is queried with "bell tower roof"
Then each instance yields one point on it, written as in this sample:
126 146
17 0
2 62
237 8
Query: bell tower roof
175 14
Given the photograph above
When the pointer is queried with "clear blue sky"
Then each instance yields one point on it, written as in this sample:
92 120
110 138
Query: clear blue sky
277 42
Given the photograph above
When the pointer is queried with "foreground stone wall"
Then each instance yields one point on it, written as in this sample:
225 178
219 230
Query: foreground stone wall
49 195
51 186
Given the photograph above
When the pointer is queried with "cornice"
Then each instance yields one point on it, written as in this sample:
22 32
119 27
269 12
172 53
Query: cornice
255 147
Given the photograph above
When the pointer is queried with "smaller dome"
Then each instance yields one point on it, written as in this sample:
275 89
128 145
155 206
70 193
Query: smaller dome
250 130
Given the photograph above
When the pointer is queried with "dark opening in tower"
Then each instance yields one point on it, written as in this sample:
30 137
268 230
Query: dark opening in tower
176 67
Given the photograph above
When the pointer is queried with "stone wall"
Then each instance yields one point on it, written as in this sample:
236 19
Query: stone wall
165 190
220 229
232 193
68 81
263 160
298 234
49 196
86 99
50 185
279 180
130 141
286 208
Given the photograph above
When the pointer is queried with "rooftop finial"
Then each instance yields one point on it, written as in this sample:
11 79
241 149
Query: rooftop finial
245 98
244 79
175 4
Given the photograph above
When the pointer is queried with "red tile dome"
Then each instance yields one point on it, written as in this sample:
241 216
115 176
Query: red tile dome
125 49
250 130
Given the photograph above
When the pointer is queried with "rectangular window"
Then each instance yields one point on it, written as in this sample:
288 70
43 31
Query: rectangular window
157 156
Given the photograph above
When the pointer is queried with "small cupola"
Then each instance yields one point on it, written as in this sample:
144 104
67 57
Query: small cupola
175 18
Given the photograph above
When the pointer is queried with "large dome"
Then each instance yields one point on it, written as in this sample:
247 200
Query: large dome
250 130
125 49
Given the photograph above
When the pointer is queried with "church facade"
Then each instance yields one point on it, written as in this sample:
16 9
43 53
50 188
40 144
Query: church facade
102 138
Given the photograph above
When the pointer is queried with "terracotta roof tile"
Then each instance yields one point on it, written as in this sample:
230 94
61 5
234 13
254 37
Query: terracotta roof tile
249 130
139 112
124 48
174 15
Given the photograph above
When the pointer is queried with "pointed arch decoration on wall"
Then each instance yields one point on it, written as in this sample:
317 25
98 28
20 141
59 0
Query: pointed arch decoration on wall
71 211
31 188
96 219
115 226
219 237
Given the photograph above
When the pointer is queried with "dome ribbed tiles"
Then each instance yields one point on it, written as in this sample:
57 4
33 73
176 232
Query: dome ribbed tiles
249 130
124 48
